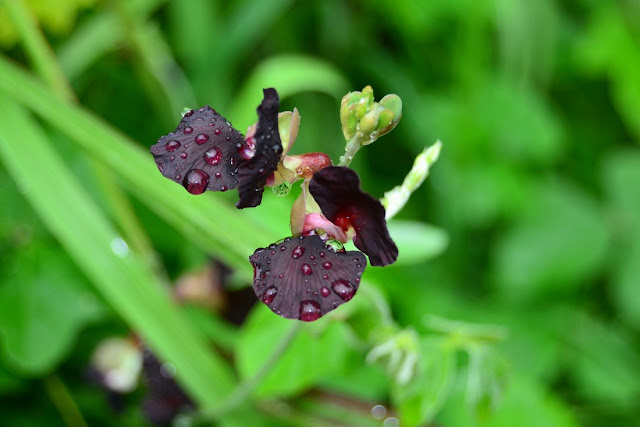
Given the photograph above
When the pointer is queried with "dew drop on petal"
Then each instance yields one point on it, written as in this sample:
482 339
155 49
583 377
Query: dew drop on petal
343 289
184 155
212 156
202 138
172 145
297 252
306 269
309 311
196 181
188 130
324 291
327 265
269 295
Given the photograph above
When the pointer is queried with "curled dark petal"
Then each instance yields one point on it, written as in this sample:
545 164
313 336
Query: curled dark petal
338 193
302 278
254 172
202 153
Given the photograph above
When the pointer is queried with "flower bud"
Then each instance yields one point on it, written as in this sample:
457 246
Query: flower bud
288 125
305 165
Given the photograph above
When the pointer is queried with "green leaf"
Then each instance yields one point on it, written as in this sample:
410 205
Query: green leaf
318 350
525 403
45 304
487 375
419 401
417 242
556 247
120 276
604 362
621 179
289 74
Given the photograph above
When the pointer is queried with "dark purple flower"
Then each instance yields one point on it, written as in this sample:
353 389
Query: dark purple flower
206 153
337 191
202 153
254 172
304 278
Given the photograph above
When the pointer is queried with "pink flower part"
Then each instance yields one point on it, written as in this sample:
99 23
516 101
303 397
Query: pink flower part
313 221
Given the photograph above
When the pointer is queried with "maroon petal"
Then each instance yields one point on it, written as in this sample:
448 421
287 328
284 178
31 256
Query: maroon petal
202 153
338 193
301 278
254 172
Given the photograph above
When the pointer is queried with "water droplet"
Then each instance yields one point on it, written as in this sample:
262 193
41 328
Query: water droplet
223 188
321 254
119 247
217 131
269 295
188 130
196 181
168 370
280 276
202 138
283 248
391 422
325 277
343 289
309 311
212 156
312 257
325 291
298 251
306 269
378 412
172 146
218 174
327 265
184 155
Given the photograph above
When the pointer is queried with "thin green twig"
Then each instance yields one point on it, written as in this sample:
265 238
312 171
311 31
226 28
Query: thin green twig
246 387
63 401
38 50
47 66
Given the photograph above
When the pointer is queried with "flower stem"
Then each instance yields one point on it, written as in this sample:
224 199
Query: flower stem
351 149
63 401
246 387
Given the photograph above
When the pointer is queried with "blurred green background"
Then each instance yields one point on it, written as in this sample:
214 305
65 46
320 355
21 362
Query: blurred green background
515 298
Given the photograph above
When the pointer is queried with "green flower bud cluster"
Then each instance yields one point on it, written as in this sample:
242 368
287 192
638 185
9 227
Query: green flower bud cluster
365 119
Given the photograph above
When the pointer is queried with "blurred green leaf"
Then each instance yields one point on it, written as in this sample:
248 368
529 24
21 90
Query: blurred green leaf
604 363
45 304
420 400
417 241
558 244
121 277
487 378
526 403
325 347
289 74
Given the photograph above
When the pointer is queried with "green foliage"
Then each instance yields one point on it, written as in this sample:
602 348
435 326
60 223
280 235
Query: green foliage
530 219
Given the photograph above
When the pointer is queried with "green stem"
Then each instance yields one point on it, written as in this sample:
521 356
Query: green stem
46 64
246 387
350 151
63 401
40 53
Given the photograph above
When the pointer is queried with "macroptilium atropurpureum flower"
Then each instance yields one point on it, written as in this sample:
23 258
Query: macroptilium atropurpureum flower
308 274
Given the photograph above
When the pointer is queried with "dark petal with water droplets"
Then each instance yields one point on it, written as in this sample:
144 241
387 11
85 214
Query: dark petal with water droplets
338 193
286 282
207 144
254 172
